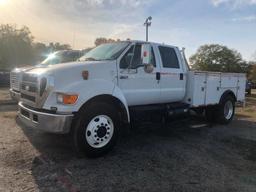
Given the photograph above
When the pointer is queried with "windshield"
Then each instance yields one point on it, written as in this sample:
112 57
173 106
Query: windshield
61 57
110 51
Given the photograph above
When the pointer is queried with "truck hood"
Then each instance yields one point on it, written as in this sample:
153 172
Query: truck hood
72 66
68 73
23 69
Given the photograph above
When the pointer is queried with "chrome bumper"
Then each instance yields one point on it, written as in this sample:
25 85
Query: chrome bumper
15 95
54 123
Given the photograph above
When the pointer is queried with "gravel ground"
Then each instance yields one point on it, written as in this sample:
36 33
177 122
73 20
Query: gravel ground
186 155
4 94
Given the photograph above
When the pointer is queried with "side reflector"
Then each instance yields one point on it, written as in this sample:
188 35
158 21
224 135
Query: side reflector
85 75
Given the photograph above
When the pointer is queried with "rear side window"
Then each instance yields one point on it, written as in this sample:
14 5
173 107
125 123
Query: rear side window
169 57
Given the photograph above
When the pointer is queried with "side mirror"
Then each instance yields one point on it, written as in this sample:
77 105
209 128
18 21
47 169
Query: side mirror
146 54
149 68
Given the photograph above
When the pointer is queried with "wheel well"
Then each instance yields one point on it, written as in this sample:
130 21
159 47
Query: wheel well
110 100
228 93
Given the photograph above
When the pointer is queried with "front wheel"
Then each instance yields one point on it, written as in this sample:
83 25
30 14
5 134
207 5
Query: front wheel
96 129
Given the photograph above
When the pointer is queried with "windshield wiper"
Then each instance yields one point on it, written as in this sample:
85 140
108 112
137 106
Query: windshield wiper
90 59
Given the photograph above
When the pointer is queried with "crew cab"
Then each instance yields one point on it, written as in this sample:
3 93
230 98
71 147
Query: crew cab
95 98
57 57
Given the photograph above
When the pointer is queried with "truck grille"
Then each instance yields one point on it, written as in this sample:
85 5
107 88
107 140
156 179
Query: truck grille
28 97
29 78
14 81
29 88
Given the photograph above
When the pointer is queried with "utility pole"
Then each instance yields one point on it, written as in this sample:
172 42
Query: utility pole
147 24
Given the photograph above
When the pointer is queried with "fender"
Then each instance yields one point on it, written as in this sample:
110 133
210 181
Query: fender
117 93
226 93
86 90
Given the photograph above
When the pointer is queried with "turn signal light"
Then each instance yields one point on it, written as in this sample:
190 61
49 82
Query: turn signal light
67 99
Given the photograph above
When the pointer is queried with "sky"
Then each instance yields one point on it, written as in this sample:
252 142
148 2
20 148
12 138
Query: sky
183 23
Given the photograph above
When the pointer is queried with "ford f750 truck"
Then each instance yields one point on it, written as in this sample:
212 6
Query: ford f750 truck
95 98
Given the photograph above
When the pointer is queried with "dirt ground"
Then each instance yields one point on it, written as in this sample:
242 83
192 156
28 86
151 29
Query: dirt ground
4 95
186 155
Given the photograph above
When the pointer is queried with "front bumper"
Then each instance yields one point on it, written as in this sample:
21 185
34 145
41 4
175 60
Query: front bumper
54 123
15 95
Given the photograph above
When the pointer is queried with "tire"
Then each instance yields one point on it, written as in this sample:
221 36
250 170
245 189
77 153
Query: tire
249 92
226 110
95 130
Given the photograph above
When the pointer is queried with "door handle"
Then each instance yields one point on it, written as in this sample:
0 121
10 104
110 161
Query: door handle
158 76
181 76
124 77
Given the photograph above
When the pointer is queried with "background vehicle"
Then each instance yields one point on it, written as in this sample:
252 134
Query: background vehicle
248 87
94 99
53 59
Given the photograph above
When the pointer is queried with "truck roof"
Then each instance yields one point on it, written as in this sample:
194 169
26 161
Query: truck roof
141 41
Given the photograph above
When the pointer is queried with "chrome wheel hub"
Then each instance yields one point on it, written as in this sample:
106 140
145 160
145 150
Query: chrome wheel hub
228 110
99 131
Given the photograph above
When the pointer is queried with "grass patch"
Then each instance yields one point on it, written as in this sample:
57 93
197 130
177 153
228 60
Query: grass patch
249 111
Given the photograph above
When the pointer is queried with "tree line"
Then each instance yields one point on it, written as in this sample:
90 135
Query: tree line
17 48
220 58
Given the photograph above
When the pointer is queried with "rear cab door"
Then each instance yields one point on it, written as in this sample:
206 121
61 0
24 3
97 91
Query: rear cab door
172 74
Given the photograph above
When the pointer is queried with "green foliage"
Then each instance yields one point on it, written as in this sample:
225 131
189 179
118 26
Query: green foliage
252 71
102 40
218 58
17 47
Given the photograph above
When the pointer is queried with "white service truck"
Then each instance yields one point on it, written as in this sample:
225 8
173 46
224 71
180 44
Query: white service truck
94 98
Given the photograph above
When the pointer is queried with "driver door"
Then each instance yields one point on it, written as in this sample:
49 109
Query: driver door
138 86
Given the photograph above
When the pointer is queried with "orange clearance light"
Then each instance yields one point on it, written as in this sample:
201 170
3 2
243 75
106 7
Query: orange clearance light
69 99
85 75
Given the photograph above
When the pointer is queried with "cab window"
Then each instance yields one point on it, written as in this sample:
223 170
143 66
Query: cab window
133 58
169 57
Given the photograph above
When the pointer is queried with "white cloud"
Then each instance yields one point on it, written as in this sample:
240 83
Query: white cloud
233 3
250 18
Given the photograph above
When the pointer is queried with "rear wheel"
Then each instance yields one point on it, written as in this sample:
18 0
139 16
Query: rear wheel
226 110
222 113
96 129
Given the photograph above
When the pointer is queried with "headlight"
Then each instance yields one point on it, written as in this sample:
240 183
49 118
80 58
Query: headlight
67 99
